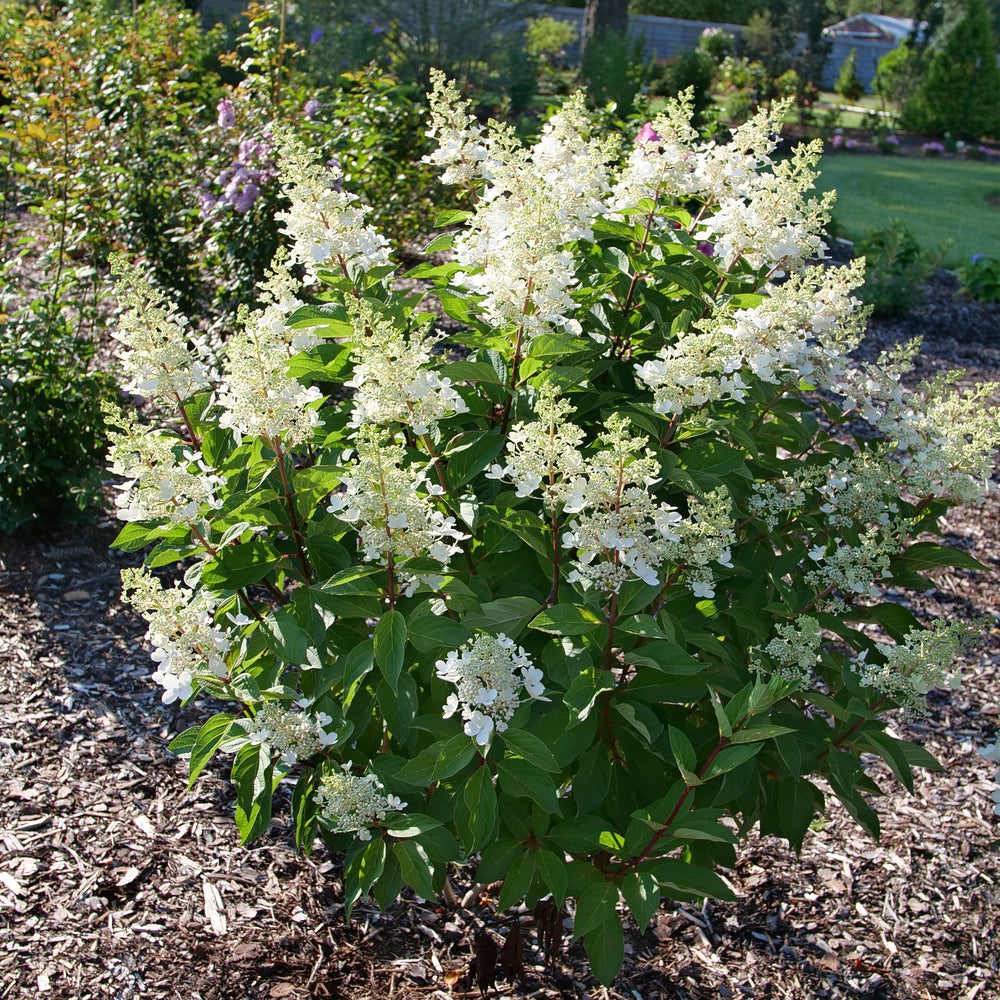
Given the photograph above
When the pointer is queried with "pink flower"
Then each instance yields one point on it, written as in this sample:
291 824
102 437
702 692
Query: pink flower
647 134
227 114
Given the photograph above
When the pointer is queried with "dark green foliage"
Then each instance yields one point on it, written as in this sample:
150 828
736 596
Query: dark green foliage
51 427
981 278
694 68
849 85
897 269
614 68
960 92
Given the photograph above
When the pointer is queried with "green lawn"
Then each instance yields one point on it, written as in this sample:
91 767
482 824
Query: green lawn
938 199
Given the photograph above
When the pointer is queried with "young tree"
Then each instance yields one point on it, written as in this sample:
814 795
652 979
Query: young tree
960 92
602 17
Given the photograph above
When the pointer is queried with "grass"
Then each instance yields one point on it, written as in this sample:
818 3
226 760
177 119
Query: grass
937 199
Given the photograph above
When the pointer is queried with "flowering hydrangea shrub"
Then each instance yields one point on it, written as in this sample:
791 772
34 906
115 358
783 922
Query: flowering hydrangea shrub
580 599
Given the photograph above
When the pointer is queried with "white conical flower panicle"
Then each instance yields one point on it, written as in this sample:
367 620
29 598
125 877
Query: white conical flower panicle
326 226
164 360
391 507
187 642
392 379
293 734
489 672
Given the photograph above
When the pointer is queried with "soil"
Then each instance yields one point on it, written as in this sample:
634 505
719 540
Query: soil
116 881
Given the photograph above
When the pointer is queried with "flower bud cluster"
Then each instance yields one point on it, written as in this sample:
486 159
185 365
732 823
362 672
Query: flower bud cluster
159 485
391 381
381 502
294 735
461 149
922 662
159 363
489 672
353 803
794 652
326 226
855 568
181 628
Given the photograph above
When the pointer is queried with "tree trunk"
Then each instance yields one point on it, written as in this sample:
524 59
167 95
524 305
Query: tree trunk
600 16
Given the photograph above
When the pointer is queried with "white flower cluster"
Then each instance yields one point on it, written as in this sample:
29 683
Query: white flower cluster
489 672
279 294
159 363
621 532
759 209
794 651
354 803
461 149
326 226
159 485
992 753
922 662
809 322
258 396
944 440
861 490
855 568
381 502
391 381
535 202
181 628
293 734
545 454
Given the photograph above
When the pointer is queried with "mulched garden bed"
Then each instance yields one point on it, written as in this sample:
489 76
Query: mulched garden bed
117 882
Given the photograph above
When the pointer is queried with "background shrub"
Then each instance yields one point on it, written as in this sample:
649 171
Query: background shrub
897 267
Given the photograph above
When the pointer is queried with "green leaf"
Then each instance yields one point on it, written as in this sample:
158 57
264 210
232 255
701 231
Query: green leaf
289 640
517 881
469 453
239 565
583 833
390 645
684 756
693 880
356 664
427 631
211 734
251 776
642 893
596 905
725 727
530 747
404 825
415 866
519 779
591 781
476 810
361 869
438 761
930 555
731 757
605 947
509 615
566 619
583 692
751 734
553 871
497 859
182 743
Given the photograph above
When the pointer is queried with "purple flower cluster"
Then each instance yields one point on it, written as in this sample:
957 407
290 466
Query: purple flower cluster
932 148
242 180
891 140
227 113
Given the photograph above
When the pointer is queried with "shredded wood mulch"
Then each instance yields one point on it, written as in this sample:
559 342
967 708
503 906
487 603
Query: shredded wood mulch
117 882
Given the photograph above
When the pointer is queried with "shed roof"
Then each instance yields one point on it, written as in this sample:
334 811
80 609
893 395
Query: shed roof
873 27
